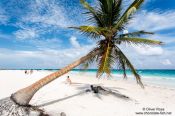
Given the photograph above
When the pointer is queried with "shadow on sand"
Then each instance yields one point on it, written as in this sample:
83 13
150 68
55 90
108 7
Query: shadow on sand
86 88
62 99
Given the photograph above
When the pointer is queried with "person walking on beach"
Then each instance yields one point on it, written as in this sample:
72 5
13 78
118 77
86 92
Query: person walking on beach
31 71
68 80
25 71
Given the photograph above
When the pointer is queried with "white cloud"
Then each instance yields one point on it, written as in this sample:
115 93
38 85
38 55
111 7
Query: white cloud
27 33
166 62
153 21
45 58
47 13
51 43
43 16
153 60
149 50
74 42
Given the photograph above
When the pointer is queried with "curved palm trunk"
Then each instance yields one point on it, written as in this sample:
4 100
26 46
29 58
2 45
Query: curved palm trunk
23 96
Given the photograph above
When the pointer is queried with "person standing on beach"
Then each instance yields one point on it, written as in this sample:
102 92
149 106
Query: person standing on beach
25 72
68 80
31 71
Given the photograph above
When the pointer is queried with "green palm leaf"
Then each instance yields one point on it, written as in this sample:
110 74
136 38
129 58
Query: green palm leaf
136 34
91 31
126 15
138 41
91 60
121 64
92 12
116 12
106 60
129 65
109 11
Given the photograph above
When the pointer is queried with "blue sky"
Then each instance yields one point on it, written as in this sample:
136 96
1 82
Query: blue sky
34 34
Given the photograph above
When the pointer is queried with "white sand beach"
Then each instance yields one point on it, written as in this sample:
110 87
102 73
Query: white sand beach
58 96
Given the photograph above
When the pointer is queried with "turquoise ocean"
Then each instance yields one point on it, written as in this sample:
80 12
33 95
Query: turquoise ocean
159 73
160 77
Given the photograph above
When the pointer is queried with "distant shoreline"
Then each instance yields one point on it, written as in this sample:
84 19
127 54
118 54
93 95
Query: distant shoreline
158 77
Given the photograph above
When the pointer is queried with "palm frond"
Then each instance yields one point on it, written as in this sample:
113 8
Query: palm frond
87 6
105 60
127 14
91 31
129 65
121 64
135 34
85 65
138 41
109 11
88 62
116 10
92 12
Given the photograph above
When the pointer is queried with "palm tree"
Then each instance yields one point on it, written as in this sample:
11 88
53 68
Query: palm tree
109 21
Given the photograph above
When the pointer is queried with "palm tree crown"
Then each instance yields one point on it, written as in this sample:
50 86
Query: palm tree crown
109 22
